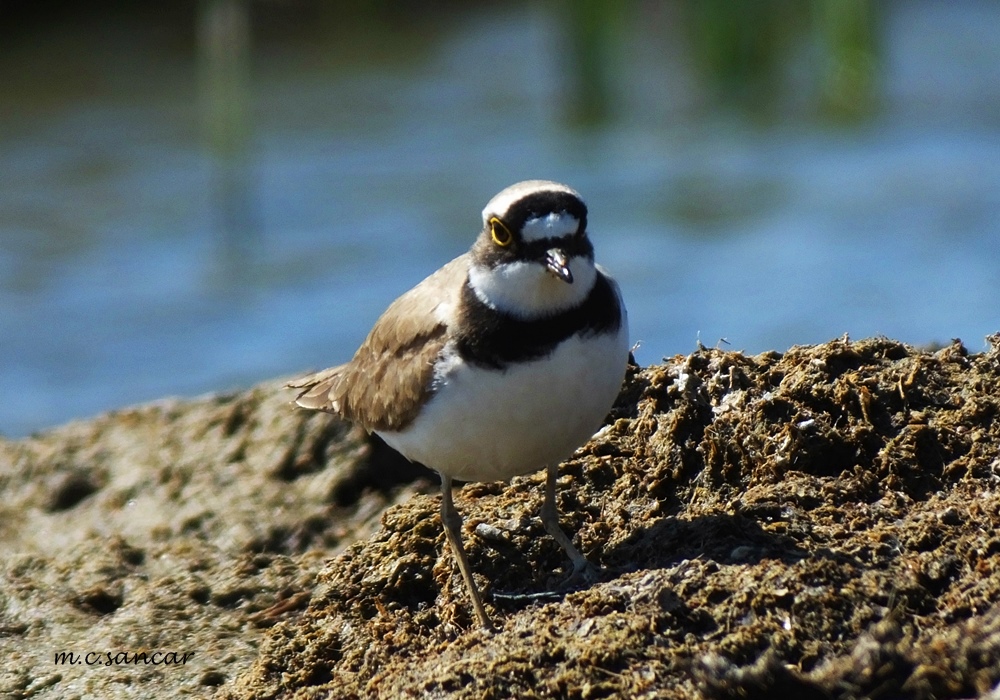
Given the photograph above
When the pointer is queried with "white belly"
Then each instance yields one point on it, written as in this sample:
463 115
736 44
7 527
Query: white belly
489 425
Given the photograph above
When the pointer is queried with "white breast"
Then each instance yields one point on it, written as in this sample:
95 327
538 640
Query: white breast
488 425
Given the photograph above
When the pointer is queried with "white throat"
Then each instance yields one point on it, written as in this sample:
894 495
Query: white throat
527 290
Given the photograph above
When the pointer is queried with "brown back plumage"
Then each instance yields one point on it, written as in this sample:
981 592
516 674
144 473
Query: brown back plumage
391 375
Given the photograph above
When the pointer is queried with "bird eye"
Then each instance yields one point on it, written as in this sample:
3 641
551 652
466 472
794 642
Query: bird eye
501 234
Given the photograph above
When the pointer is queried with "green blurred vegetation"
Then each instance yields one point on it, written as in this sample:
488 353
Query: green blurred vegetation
762 58
766 58
848 39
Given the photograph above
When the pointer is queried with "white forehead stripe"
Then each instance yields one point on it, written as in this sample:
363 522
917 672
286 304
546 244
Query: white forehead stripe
555 225
501 203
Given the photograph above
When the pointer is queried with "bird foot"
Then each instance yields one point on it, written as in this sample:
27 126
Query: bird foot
584 572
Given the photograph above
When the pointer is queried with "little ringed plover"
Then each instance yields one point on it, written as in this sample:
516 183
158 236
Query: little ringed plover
501 363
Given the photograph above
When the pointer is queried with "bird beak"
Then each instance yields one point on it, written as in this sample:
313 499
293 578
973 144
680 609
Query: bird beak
555 262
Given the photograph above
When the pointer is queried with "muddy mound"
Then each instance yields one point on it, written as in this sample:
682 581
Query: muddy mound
820 522
179 527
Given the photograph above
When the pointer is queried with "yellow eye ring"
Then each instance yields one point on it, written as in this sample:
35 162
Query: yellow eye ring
500 233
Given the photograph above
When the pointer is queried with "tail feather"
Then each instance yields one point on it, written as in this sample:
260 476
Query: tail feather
317 390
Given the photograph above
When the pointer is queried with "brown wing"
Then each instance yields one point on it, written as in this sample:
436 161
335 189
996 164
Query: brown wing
390 376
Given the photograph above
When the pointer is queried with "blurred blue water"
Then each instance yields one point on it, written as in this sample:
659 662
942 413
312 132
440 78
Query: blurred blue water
121 280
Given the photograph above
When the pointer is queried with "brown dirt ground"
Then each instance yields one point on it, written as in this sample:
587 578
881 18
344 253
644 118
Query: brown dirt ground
179 526
821 523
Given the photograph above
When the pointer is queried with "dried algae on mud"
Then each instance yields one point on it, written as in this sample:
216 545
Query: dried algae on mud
819 523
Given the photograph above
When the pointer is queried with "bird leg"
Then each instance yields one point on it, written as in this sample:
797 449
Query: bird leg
550 519
452 522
